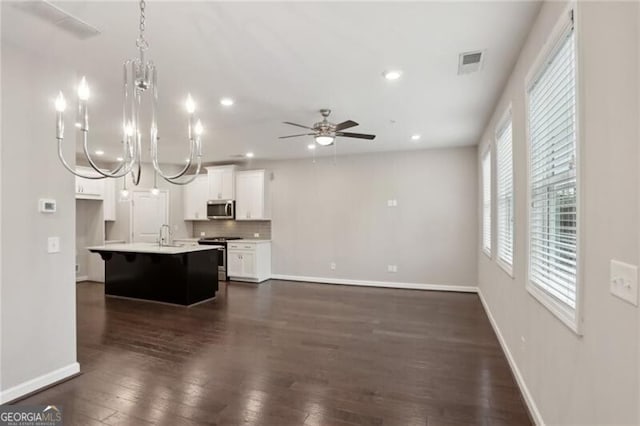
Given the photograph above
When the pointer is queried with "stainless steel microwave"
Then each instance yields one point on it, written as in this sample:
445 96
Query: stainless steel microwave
221 209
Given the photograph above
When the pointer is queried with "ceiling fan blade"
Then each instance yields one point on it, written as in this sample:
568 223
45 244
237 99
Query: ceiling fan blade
345 125
295 136
355 135
299 125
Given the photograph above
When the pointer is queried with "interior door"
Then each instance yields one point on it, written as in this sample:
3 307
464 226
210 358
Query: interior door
148 213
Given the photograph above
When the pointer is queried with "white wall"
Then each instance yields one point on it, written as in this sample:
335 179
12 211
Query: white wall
37 304
591 379
327 212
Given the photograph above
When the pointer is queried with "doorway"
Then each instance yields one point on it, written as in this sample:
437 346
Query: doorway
148 213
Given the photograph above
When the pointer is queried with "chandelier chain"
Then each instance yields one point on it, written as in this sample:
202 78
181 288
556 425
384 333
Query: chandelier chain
141 42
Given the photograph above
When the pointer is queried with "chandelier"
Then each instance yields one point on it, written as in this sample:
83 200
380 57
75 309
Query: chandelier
140 76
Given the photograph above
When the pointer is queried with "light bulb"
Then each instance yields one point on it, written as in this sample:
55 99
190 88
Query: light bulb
324 140
190 104
61 103
83 90
155 191
124 194
311 146
226 102
249 155
392 74
198 128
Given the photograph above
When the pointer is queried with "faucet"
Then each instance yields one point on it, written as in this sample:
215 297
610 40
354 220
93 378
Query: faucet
164 238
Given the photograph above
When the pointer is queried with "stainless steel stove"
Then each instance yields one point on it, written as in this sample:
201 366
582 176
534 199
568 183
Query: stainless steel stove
221 242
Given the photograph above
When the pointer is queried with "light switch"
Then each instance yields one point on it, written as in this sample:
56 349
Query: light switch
624 281
53 245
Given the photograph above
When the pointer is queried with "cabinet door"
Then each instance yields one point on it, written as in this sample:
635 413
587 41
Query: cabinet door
89 188
227 184
250 195
234 264
215 184
195 196
249 264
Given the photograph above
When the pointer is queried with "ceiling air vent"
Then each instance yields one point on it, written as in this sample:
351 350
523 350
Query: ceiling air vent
470 62
54 15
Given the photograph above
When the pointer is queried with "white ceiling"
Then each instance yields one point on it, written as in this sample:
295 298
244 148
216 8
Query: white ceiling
283 61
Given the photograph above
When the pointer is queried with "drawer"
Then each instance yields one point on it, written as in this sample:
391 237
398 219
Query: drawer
242 246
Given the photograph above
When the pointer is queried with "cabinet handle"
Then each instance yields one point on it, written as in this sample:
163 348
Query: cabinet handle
247 247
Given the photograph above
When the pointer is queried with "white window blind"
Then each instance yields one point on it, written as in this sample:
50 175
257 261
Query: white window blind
486 202
552 174
504 178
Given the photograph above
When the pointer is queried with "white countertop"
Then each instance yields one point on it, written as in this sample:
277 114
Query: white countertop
249 241
153 248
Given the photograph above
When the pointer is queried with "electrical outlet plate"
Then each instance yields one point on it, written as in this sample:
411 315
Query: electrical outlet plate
332 265
624 281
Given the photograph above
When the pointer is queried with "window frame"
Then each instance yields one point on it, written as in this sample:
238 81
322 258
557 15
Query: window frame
488 251
571 318
506 120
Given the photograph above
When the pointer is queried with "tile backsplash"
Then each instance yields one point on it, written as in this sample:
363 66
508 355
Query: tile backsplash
232 228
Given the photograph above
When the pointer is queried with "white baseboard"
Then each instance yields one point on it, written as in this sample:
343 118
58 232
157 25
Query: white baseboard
40 382
528 398
82 278
386 284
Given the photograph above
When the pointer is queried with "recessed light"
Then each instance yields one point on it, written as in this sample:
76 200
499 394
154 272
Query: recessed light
311 146
119 159
249 155
226 101
99 152
392 74
415 137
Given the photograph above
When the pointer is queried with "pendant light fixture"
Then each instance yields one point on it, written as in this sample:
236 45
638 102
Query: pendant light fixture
140 77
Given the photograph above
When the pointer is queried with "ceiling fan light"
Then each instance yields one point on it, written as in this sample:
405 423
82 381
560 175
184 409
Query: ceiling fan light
324 140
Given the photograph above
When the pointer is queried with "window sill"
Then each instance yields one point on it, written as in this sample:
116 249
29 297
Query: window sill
508 269
559 310
486 252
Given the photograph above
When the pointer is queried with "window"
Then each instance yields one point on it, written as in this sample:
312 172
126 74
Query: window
553 221
505 194
486 203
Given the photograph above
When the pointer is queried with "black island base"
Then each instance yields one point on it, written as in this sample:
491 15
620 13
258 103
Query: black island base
163 274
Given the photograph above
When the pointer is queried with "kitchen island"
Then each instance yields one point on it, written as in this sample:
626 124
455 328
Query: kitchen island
182 275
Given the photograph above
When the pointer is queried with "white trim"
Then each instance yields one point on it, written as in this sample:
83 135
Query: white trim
386 284
39 382
508 269
524 390
82 278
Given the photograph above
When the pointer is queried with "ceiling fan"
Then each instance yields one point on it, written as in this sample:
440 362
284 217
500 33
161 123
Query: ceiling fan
325 132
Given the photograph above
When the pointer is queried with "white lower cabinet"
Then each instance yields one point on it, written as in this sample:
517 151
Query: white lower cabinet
249 261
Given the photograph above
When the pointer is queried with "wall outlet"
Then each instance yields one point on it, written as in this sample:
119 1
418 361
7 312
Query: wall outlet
392 268
53 245
392 203
202 234
256 235
332 265
623 281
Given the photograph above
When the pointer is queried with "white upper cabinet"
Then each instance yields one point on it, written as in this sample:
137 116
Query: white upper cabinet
221 183
252 195
195 197
91 189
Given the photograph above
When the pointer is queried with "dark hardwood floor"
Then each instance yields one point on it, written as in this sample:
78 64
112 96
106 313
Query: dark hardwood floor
285 353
